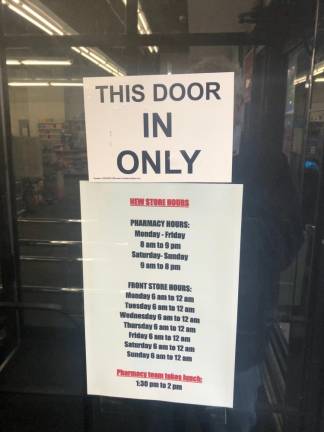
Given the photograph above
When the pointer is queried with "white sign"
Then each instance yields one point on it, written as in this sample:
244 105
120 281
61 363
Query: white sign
160 270
160 128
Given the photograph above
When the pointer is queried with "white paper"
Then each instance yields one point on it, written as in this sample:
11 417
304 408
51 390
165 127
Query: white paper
206 234
202 127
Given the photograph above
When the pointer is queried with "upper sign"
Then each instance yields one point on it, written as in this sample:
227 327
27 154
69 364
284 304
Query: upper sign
160 128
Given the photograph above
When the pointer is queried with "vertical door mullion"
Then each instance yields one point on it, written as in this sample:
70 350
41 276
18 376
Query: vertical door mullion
131 29
9 250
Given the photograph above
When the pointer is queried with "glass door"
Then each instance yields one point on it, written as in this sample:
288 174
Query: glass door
48 47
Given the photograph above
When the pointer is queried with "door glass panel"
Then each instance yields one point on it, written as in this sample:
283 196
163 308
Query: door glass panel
50 159
304 151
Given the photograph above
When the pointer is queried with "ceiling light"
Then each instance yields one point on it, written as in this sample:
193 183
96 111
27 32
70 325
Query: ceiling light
144 28
112 68
12 62
319 68
46 62
143 21
85 50
143 25
101 60
45 84
46 20
318 71
300 80
107 66
38 62
42 19
109 69
66 84
30 19
90 58
28 84
319 79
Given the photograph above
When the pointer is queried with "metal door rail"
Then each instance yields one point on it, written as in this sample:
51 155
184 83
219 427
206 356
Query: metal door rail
40 242
115 40
49 220
52 289
34 258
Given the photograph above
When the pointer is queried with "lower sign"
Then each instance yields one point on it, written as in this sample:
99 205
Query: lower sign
161 269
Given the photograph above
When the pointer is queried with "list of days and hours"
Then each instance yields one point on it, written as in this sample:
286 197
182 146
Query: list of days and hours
160 280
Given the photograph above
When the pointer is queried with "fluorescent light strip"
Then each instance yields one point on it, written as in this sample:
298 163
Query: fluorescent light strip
319 80
99 59
46 62
38 62
318 70
144 22
90 58
143 25
107 66
30 19
12 62
91 55
28 84
45 84
111 67
42 19
66 84
300 80
85 50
